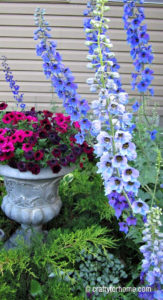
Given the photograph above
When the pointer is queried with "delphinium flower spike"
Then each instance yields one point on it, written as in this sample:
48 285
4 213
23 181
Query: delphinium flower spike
141 52
152 264
61 77
12 83
115 149
113 125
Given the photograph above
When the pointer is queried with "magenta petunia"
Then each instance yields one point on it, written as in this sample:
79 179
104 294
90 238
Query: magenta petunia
2 156
62 127
6 119
20 135
32 119
38 155
56 152
2 131
20 116
45 122
8 155
28 133
76 125
47 113
3 106
27 147
59 118
13 138
2 140
7 147
11 115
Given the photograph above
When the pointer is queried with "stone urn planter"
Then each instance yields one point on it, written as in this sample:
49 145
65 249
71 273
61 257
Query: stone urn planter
31 200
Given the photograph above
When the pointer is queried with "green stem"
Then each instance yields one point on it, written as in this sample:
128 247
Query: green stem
159 158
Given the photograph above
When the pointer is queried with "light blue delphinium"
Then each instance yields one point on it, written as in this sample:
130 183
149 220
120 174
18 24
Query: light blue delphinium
114 146
152 264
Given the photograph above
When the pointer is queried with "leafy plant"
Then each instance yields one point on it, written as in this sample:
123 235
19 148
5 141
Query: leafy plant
98 268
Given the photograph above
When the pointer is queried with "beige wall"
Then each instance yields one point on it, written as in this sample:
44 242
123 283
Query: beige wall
65 18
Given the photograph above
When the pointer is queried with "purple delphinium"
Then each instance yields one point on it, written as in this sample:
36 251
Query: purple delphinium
119 203
136 106
141 51
152 134
61 77
123 227
12 83
152 264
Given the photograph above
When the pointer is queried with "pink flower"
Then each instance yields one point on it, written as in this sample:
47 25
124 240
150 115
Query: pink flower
31 119
59 118
6 119
76 125
56 152
2 157
47 113
38 155
20 116
26 147
20 135
13 139
67 119
12 115
3 106
28 133
62 127
2 140
2 131
72 139
8 147
8 155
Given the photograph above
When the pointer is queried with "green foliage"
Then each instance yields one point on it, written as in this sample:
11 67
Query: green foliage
149 160
7 225
25 271
83 191
98 268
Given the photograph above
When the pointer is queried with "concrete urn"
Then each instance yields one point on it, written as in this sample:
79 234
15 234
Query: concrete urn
31 200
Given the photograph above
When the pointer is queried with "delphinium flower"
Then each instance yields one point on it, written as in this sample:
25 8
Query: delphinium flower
152 263
113 124
61 77
141 51
12 83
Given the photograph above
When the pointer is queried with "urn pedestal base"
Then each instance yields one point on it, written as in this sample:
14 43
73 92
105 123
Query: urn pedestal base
31 200
24 235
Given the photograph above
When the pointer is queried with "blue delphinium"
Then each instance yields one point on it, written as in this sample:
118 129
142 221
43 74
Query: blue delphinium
12 83
152 264
141 51
152 134
136 106
114 146
61 77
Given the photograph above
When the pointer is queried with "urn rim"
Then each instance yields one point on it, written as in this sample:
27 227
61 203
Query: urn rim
10 172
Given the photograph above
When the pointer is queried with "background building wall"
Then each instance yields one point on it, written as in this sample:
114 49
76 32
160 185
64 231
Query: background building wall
66 19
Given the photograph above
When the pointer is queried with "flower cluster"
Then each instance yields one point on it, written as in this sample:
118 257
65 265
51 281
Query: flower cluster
138 39
113 125
61 76
32 140
12 83
118 202
152 264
